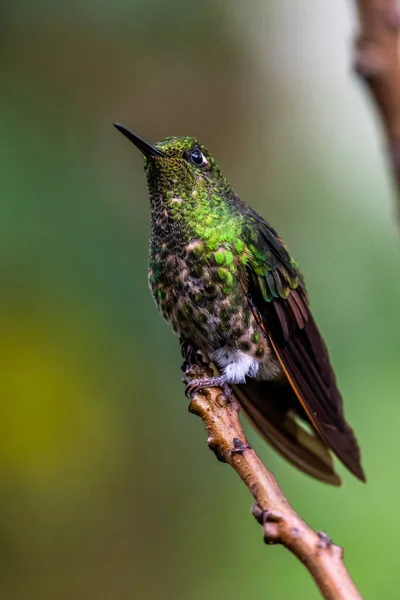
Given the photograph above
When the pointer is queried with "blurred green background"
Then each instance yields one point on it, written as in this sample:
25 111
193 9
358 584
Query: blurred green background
107 487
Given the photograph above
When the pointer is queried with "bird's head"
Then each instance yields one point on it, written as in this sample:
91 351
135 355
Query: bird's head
179 167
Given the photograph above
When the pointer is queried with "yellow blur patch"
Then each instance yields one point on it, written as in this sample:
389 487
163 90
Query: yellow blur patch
52 415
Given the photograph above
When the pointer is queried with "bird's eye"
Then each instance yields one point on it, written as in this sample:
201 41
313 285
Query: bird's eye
197 157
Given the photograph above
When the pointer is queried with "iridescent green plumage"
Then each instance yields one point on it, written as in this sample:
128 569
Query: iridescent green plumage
203 240
226 283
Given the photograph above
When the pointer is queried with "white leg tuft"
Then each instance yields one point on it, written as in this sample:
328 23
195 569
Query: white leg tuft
234 364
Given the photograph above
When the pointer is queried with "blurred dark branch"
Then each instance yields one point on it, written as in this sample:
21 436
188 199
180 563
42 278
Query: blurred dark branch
281 524
377 63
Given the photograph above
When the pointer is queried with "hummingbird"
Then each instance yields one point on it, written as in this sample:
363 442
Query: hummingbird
227 285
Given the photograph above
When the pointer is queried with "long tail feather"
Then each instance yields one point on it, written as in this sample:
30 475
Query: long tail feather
270 407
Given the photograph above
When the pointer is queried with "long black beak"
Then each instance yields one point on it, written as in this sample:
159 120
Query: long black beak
143 146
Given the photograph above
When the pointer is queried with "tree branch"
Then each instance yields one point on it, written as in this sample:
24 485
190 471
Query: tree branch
378 65
282 525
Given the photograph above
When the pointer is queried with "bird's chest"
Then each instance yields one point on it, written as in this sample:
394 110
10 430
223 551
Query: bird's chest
201 301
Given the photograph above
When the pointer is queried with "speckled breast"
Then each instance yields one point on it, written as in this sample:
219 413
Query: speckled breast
202 298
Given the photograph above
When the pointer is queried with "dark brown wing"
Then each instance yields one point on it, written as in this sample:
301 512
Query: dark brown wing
279 302
269 407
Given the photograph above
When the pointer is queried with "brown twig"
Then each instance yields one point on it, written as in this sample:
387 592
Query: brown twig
377 63
282 525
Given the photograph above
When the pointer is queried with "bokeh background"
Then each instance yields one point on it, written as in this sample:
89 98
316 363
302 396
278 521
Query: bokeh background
107 487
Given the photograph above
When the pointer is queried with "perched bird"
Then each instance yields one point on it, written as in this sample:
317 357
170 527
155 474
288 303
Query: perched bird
227 285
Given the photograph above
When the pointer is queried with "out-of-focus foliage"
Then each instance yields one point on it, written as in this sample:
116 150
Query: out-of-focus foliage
107 488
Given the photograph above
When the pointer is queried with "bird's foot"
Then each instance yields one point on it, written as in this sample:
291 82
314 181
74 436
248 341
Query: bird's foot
199 384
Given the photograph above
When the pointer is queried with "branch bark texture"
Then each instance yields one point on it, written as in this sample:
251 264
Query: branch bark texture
281 524
377 63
